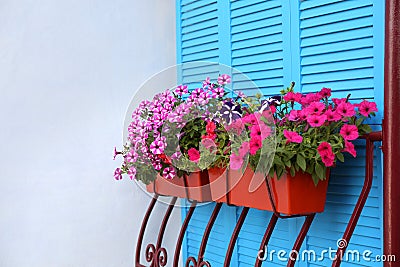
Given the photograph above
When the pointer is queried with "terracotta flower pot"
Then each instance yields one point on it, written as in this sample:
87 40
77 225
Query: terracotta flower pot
292 195
218 184
197 187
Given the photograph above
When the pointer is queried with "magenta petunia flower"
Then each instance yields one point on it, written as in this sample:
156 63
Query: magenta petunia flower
244 149
157 165
349 147
197 93
118 174
169 173
116 153
366 107
224 79
291 96
316 120
206 82
181 90
293 115
327 156
332 115
203 98
325 92
346 109
349 132
328 159
316 108
194 154
217 92
255 145
292 137
324 148
157 147
131 156
132 173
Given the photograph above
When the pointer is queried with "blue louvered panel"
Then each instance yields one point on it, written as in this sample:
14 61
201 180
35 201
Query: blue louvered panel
257 49
219 238
337 48
343 191
252 233
338 51
199 39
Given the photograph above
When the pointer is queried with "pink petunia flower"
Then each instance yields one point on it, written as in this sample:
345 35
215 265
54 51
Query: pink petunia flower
332 115
346 109
118 174
316 108
349 147
250 118
327 156
194 154
244 149
169 173
292 97
116 153
255 145
316 120
236 161
328 159
131 156
292 137
349 132
157 147
197 92
338 101
309 98
157 165
366 107
325 92
324 148
293 115
224 79
217 92
206 82
203 98
181 90
132 173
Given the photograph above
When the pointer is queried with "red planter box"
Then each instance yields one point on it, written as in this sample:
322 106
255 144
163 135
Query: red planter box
197 187
292 195
218 184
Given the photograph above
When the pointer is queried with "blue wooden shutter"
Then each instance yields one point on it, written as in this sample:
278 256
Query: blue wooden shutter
199 39
341 48
324 43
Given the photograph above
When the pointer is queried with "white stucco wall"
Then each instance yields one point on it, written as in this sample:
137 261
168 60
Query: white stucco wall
68 69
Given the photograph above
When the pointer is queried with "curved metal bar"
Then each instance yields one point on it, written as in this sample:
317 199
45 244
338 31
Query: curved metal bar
369 169
208 230
200 261
235 235
165 221
182 233
300 238
157 255
143 229
266 238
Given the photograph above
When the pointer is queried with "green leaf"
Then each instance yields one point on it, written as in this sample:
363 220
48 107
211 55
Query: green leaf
315 179
301 162
320 171
359 121
292 171
340 156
